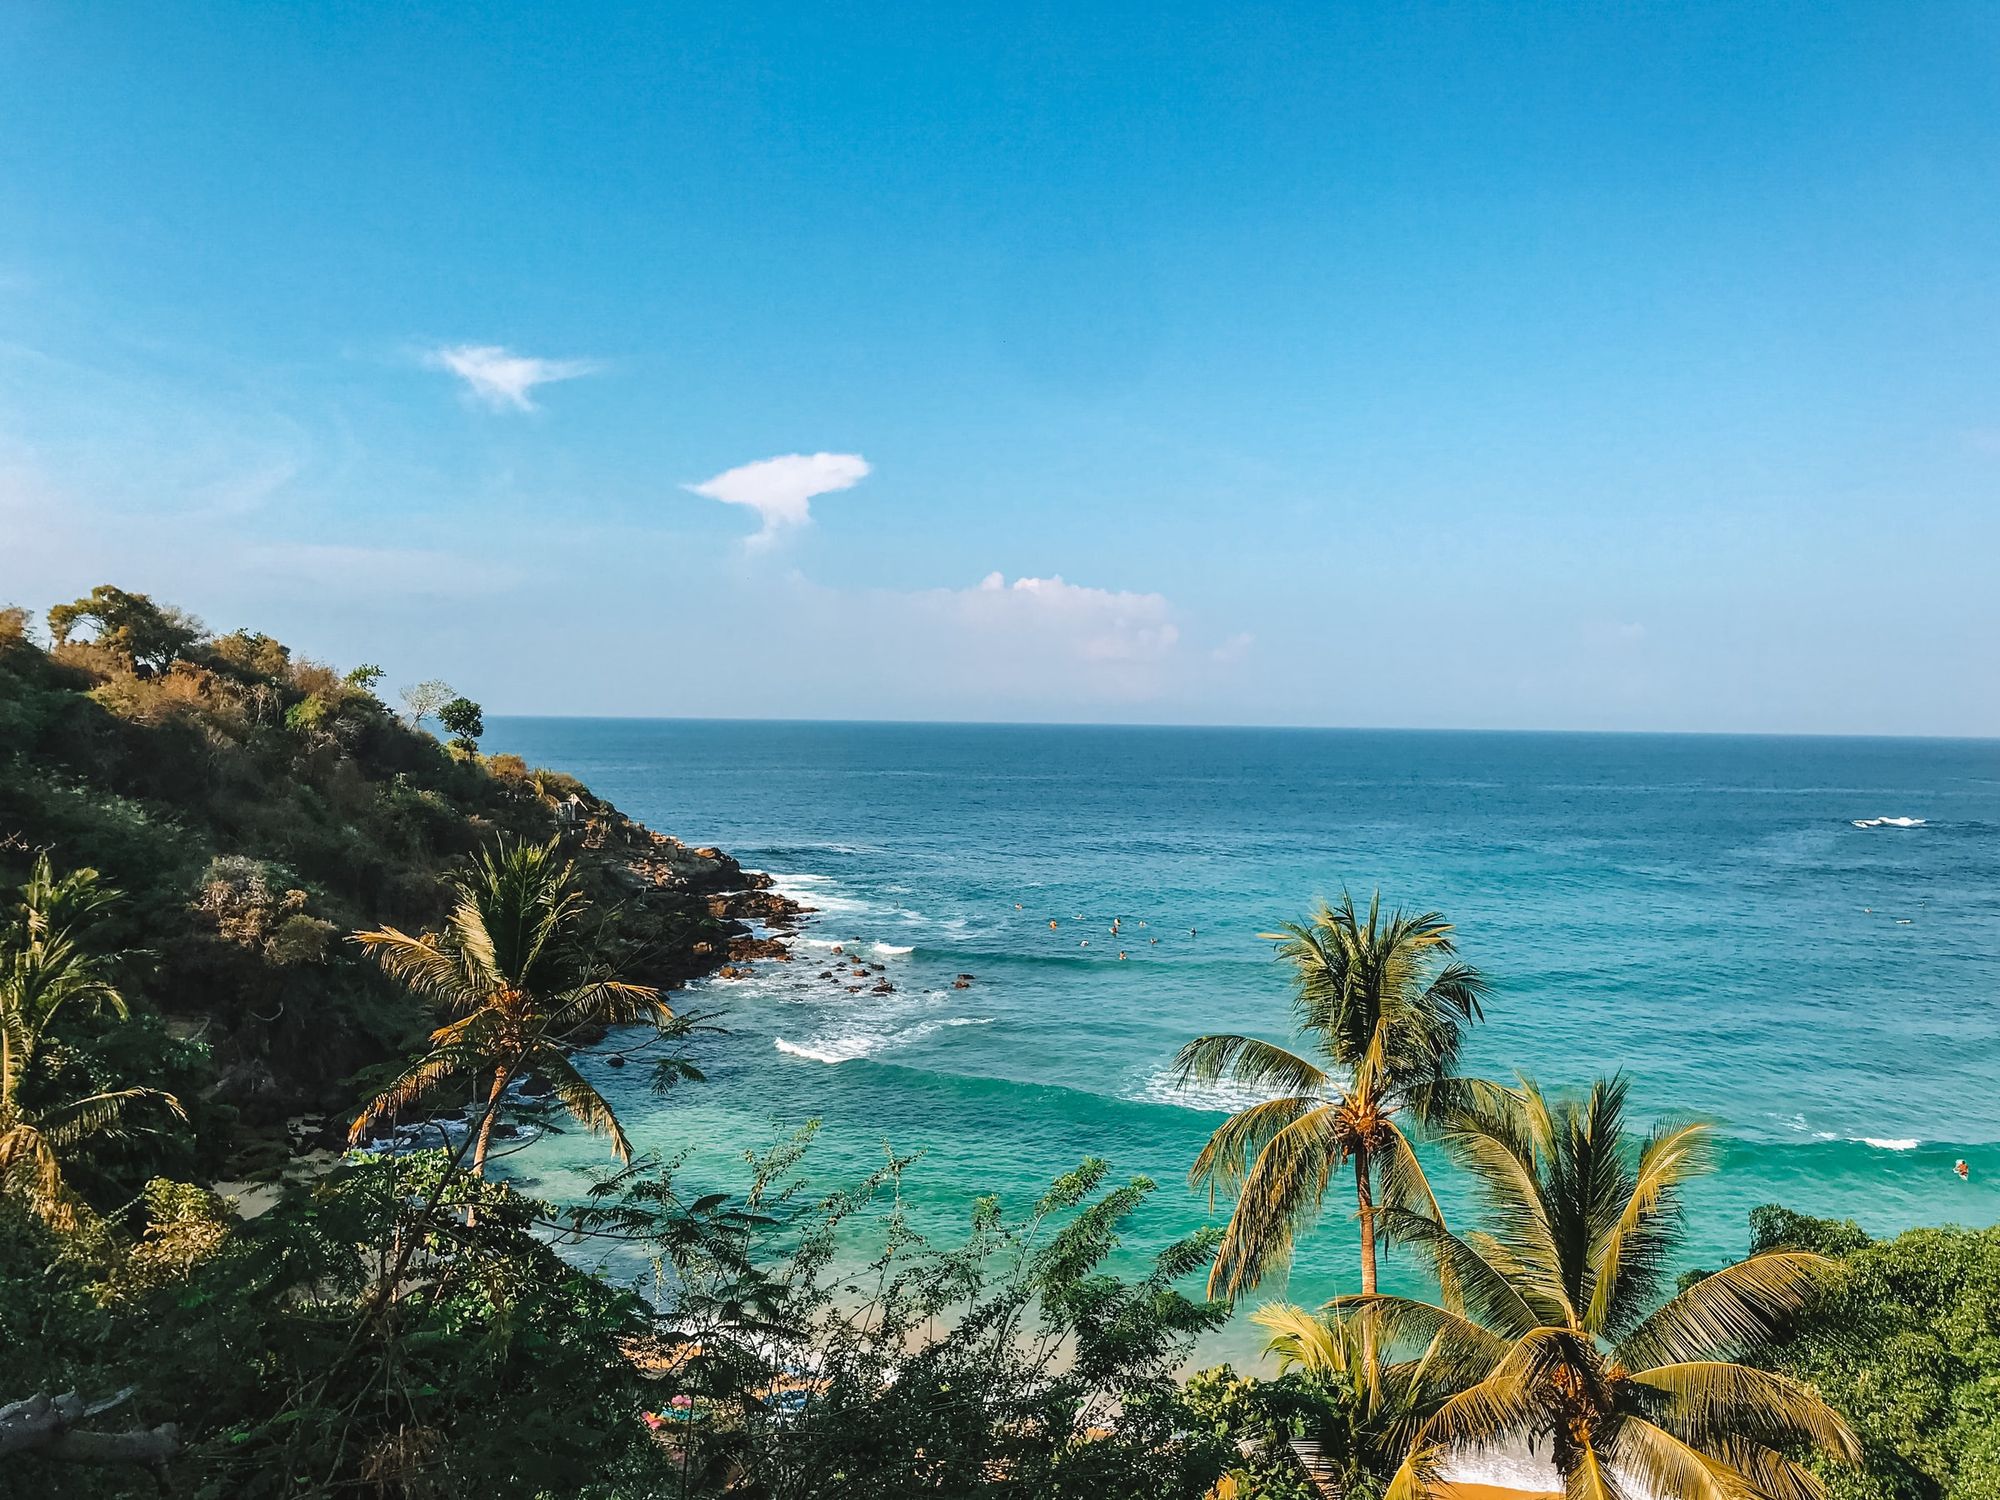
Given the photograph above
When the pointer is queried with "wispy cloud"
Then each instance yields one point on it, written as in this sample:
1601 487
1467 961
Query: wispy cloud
1092 624
502 379
781 489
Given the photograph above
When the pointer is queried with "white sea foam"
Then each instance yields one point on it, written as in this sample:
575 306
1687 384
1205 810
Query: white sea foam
1164 1087
1888 822
1893 1143
891 950
815 1054
852 1046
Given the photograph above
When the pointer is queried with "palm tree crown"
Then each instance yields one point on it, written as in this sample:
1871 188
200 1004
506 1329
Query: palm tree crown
1551 1328
47 964
1383 1002
515 982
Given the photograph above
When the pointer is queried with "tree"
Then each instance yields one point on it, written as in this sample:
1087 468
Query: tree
516 981
365 676
45 965
462 718
1549 1328
1907 1336
424 699
149 635
1384 1003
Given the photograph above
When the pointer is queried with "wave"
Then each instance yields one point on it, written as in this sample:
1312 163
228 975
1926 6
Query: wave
1888 822
1880 1143
892 950
1219 1097
815 1054
855 1047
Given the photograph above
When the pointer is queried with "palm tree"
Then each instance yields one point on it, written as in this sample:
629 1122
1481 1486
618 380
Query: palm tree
515 980
46 965
1384 1004
1361 1410
1551 1328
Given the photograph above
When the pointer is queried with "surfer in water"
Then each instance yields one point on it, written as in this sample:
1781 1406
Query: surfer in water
1964 1172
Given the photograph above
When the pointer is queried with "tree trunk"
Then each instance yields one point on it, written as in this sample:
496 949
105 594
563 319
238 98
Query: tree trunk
1364 1194
484 1143
487 1121
44 1425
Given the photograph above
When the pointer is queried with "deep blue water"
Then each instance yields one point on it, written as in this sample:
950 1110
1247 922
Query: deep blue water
1699 912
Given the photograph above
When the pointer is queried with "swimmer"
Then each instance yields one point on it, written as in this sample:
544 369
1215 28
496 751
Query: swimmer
1964 1172
1154 941
1052 924
1194 932
1084 944
1017 906
1121 952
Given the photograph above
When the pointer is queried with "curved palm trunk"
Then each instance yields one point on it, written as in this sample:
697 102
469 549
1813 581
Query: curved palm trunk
1365 1197
486 1121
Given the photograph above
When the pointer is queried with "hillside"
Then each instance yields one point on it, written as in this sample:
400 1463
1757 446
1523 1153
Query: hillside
255 808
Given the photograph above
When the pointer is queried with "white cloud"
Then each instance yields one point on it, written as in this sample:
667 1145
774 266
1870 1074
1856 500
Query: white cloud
502 379
1089 624
781 489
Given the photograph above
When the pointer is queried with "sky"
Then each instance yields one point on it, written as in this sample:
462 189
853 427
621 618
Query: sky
1535 366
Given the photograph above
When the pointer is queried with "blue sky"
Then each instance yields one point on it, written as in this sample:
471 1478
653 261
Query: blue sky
1487 365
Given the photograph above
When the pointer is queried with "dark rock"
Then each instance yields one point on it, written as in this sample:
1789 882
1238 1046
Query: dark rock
533 1086
614 1061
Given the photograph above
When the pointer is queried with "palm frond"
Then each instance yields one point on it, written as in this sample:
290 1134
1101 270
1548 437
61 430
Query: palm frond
96 1114
1248 1060
1224 1160
1281 1193
1712 1404
590 1108
421 966
607 1002
1454 1350
1505 1404
1308 1341
1460 1263
427 1073
1661 1464
1730 1313
1629 1259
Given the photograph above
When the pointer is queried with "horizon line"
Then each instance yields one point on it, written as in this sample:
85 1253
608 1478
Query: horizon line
1737 734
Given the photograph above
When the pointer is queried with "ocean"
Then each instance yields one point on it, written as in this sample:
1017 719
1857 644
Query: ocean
1698 912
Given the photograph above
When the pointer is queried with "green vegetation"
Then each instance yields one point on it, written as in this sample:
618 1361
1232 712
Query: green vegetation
1909 1338
253 807
324 909
1385 1003
47 965
517 983
1550 1325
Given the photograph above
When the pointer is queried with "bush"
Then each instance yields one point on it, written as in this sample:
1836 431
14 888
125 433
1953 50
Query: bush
1907 1346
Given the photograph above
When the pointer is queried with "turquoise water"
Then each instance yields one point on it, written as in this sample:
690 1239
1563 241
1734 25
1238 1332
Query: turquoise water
1699 912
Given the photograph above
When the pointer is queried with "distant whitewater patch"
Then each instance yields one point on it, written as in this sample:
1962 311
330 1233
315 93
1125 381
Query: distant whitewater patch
1888 822
854 1046
1219 1097
1881 1143
893 950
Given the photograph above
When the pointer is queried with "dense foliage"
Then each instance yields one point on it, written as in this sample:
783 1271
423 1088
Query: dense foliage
1909 1338
253 808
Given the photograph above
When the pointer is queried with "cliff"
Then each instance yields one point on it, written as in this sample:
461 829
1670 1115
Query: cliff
255 808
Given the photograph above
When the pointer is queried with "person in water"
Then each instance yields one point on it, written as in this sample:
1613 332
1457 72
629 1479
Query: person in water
1964 1172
